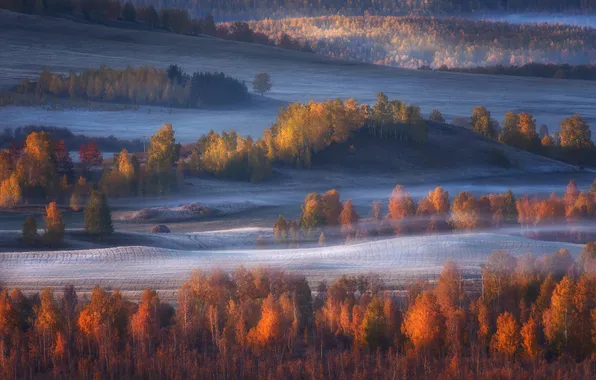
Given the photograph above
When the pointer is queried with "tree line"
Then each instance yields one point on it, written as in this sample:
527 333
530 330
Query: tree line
540 70
145 85
325 216
415 41
573 143
523 318
174 19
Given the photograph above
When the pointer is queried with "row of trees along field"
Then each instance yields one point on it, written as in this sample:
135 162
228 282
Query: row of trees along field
573 143
176 20
521 319
145 85
541 70
413 42
560 218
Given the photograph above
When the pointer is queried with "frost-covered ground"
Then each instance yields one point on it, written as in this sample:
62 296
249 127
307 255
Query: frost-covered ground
132 269
29 44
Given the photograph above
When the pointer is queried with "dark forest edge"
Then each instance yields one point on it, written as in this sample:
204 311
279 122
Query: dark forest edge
175 20
539 70
527 317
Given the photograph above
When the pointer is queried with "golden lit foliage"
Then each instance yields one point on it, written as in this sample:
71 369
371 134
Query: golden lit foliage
575 133
506 338
558 318
54 225
423 323
401 206
464 213
10 192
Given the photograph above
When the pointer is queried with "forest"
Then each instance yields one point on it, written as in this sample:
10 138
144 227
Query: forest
145 85
412 42
525 317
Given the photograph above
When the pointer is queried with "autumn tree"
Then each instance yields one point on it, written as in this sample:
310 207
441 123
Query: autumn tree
449 290
62 160
576 133
90 154
312 216
348 219
558 318
47 320
547 141
98 218
482 122
262 83
161 157
401 206
423 323
145 322
464 213
270 327
529 338
10 192
506 338
35 170
54 228
372 331
331 207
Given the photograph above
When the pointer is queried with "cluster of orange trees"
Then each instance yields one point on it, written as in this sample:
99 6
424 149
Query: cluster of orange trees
435 212
44 171
524 317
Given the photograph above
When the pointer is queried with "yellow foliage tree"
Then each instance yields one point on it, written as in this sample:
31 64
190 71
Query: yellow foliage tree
10 192
54 229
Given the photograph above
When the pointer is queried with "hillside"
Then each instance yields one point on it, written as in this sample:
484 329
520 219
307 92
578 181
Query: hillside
32 43
448 147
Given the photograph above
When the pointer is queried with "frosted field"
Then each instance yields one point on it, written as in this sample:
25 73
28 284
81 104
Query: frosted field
29 44
134 268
